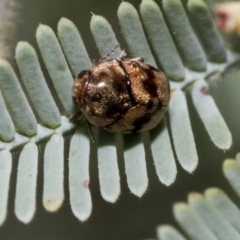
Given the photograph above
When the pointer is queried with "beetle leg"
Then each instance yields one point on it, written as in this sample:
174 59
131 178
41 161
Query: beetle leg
75 116
89 127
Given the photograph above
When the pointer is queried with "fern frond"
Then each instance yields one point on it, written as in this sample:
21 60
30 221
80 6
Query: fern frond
211 215
65 57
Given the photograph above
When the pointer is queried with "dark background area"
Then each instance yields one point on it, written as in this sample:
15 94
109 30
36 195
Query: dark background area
130 217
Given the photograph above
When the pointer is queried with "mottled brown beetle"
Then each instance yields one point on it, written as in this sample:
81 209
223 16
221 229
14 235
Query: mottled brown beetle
122 95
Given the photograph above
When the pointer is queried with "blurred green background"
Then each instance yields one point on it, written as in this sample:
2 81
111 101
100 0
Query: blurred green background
130 217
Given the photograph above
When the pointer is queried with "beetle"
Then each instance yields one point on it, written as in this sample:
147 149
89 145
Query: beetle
122 95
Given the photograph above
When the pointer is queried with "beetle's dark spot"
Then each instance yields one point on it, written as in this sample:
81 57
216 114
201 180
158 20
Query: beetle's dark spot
121 113
112 109
120 87
150 85
102 76
160 105
138 123
82 73
96 97
118 109
149 104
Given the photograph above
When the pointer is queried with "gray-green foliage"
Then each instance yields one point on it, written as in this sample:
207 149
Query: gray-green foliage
174 47
211 215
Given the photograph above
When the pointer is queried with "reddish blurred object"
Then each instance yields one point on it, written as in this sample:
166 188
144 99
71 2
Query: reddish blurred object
228 17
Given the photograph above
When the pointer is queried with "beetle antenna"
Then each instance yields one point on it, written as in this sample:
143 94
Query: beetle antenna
110 53
89 127
123 54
